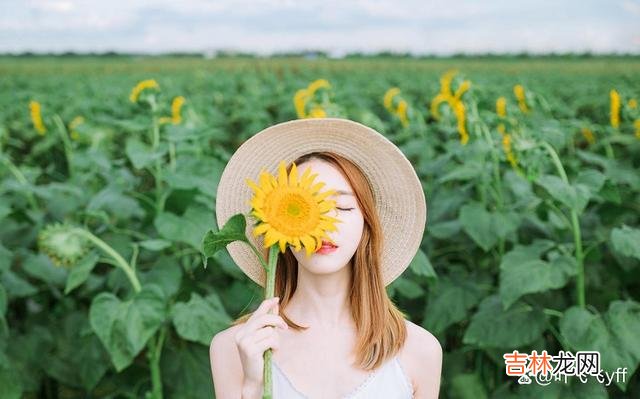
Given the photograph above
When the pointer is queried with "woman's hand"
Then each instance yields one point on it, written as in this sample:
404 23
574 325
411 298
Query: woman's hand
257 335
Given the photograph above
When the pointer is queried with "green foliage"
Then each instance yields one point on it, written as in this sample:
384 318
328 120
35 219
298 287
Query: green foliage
541 253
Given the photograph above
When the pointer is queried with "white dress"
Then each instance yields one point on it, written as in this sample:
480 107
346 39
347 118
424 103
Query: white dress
389 381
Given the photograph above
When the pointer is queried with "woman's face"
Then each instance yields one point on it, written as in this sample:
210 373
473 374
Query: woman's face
349 232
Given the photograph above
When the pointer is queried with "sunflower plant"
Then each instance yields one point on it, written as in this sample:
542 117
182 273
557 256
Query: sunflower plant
288 211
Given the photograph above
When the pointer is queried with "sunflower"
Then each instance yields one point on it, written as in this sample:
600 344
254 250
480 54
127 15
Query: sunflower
291 210
63 243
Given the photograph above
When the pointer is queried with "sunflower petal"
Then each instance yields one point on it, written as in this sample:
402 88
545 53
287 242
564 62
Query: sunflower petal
282 175
293 176
253 186
316 187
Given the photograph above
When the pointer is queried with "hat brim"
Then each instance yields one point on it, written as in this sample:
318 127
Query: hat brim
397 190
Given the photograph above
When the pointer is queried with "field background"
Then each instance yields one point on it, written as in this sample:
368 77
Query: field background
509 249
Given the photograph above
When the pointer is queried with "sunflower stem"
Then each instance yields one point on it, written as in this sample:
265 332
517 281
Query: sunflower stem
68 151
119 260
23 180
575 227
269 293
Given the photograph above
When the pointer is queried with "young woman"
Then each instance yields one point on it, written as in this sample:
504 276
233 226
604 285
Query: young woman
333 330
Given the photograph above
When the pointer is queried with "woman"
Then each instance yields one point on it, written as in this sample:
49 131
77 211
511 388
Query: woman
333 330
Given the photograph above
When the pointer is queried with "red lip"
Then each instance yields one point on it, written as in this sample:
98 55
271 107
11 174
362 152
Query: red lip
326 247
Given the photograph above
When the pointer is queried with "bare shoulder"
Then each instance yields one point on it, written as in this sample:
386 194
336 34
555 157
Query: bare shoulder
226 369
422 358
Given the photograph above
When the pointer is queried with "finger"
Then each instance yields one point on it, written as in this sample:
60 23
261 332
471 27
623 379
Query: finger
265 320
264 307
262 333
272 342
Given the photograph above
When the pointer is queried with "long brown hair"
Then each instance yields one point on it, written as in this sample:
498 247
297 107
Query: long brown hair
381 330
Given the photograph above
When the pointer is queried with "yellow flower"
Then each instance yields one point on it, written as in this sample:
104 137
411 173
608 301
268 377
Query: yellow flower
459 110
291 210
501 107
464 86
636 124
506 145
303 96
317 84
588 135
75 122
445 94
299 101
176 105
388 98
145 84
615 108
36 117
518 90
402 113
445 81
435 103
317 112
633 103
401 110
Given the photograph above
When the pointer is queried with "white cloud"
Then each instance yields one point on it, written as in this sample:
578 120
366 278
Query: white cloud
433 26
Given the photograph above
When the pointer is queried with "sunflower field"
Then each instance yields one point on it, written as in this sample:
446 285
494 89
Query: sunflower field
108 177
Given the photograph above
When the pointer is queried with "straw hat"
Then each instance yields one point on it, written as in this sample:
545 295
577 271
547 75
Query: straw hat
397 191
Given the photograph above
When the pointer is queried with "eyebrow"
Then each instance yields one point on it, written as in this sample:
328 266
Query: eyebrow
342 192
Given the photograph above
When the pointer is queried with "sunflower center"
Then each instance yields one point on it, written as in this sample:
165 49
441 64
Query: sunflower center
293 212
294 209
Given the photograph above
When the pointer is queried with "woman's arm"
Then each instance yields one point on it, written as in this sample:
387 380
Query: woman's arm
226 369
424 361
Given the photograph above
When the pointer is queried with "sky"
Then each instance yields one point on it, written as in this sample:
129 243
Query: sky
439 27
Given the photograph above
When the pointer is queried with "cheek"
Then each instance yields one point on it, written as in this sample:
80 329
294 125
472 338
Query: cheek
350 231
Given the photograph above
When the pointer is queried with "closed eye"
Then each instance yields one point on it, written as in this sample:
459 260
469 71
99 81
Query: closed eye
346 209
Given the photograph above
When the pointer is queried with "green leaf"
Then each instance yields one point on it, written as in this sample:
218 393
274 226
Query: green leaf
233 230
493 327
6 258
614 335
16 286
200 319
10 385
626 241
445 229
408 288
573 389
75 348
140 154
4 328
467 171
476 222
484 227
575 196
182 369
40 267
449 302
523 272
155 245
592 179
188 228
124 327
421 266
194 173
81 271
166 273
468 386
113 200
